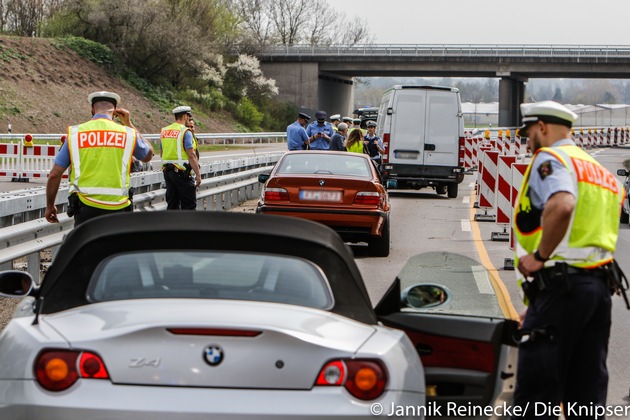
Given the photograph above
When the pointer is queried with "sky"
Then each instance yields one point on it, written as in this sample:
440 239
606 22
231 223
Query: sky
547 22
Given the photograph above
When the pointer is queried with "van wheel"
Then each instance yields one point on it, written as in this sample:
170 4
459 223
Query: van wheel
452 190
440 189
379 246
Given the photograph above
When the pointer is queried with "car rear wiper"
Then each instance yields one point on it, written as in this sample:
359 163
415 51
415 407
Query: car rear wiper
323 171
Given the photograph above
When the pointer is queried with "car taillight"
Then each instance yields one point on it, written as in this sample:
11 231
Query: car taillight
57 370
367 198
364 379
385 156
462 150
276 194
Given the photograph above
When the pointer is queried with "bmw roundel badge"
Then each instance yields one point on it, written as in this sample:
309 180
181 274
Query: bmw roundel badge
321 182
213 355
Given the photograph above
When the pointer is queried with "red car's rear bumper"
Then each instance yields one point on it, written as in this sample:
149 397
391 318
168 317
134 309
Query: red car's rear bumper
345 222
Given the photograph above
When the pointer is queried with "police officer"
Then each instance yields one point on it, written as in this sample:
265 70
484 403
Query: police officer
356 125
99 149
374 143
566 224
179 158
320 132
192 127
297 139
335 120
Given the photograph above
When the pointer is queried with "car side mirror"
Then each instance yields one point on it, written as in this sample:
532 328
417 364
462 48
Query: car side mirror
622 172
14 283
422 296
262 178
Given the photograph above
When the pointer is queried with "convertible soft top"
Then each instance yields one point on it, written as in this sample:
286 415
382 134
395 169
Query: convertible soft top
66 281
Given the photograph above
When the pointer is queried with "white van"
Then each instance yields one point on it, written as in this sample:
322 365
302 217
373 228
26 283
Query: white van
423 135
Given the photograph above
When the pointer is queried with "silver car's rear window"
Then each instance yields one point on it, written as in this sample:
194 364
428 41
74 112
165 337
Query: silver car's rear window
210 275
347 164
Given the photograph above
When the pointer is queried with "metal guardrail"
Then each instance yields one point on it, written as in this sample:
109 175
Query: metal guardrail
213 138
219 190
453 50
24 205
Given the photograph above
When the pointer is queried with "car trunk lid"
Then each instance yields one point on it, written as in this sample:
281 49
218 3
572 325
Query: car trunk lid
317 190
213 343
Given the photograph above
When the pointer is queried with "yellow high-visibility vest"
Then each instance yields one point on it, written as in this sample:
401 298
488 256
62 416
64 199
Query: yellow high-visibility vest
173 151
591 237
100 154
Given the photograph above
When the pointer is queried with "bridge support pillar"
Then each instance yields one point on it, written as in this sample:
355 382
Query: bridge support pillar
511 95
336 94
303 85
297 83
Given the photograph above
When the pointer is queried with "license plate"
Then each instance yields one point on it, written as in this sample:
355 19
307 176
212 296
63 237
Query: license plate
406 155
320 195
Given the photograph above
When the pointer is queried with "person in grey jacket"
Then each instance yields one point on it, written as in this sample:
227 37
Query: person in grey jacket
339 138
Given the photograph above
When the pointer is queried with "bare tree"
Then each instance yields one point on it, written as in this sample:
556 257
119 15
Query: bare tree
288 18
254 17
357 32
321 26
23 17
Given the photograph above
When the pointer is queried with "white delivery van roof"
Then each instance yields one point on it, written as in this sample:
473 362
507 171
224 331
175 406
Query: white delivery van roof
452 89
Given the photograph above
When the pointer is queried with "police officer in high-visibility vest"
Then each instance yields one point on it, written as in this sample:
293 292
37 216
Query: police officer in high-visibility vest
99 153
179 158
566 221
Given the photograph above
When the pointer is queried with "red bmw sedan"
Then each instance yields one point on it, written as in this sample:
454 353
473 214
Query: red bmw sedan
338 189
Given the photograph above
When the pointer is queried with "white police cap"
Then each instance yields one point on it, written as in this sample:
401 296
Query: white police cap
547 111
182 109
104 96
335 117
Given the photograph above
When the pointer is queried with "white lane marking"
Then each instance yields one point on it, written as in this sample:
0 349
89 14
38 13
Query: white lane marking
466 200
471 185
483 281
466 225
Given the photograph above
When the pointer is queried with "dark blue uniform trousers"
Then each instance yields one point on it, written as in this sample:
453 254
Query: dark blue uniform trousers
181 193
569 367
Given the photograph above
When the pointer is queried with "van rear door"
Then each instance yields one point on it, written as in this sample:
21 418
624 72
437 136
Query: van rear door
443 119
408 127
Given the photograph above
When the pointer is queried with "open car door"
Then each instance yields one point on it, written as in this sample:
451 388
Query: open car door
446 304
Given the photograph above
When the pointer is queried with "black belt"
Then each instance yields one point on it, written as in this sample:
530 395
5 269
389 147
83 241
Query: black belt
171 167
571 270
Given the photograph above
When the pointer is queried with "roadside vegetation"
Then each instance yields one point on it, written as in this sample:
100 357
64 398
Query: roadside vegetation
201 52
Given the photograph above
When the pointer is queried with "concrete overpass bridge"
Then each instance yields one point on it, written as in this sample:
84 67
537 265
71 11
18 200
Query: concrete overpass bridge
322 77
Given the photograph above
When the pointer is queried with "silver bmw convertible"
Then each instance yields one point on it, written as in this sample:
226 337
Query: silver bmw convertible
199 315
206 315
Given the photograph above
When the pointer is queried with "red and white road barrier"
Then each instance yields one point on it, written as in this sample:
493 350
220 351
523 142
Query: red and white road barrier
518 173
477 145
23 160
488 180
468 152
504 189
481 152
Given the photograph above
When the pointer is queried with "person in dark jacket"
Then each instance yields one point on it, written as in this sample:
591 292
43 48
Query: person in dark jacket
339 138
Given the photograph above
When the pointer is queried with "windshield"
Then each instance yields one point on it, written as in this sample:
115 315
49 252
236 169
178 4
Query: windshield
210 275
325 163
